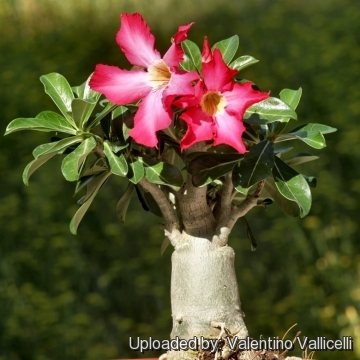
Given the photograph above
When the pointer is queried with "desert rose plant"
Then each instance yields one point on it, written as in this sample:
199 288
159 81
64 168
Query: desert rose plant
197 145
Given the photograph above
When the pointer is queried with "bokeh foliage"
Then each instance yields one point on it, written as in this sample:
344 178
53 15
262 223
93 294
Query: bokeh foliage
81 297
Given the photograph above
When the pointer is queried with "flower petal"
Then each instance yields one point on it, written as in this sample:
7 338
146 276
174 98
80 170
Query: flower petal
191 100
120 86
150 117
229 129
199 127
136 40
217 76
181 35
206 52
180 84
241 97
174 56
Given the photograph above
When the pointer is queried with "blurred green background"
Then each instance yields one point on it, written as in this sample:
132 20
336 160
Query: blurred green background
81 297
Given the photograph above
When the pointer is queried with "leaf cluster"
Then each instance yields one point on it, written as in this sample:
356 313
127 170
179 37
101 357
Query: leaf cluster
92 136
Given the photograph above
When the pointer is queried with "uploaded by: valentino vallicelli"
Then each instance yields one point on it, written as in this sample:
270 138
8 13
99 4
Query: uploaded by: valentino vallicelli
320 343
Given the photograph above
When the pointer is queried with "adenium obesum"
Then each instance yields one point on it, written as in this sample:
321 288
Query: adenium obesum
213 102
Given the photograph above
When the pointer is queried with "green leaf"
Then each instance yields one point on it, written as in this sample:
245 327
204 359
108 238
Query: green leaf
275 128
123 204
207 168
300 159
314 128
256 165
192 56
81 110
241 190
118 164
228 48
57 87
311 134
242 62
118 111
270 190
84 91
96 186
136 170
42 149
34 165
251 237
71 163
292 186
272 109
45 121
291 97
163 173
108 108
63 143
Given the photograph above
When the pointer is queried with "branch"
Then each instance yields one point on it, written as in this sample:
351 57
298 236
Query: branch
171 222
222 205
226 194
226 223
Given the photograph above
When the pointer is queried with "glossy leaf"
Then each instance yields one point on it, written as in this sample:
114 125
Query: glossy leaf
314 128
71 163
228 48
96 186
57 87
207 168
118 164
89 175
81 110
34 165
241 190
272 109
300 159
94 122
250 235
276 127
256 165
45 121
136 170
42 149
292 186
289 207
152 204
119 110
84 91
123 203
163 174
242 62
291 97
311 134
192 56
64 143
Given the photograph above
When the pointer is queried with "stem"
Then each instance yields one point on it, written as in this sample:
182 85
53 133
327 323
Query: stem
228 221
171 222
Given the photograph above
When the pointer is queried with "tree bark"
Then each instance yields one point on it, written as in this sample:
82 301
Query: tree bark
204 292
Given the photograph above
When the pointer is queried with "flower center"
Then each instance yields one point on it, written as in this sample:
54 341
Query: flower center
159 74
213 103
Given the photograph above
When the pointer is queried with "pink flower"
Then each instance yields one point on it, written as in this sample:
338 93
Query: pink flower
157 84
218 106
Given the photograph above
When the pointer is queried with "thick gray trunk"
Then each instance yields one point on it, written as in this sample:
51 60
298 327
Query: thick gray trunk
204 290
